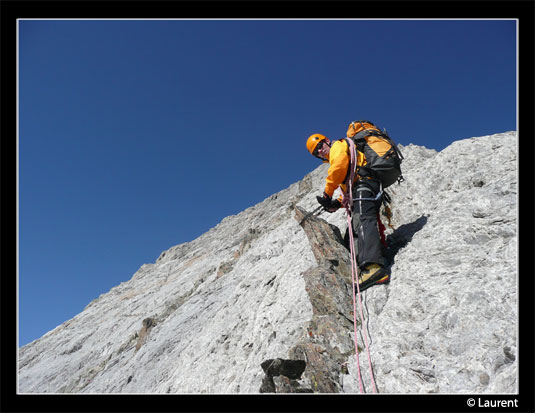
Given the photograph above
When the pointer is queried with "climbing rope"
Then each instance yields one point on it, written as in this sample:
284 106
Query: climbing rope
354 276
348 204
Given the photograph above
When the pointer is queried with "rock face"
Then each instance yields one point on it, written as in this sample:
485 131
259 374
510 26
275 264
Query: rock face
263 301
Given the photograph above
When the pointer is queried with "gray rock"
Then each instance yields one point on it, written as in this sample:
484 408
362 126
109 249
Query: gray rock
263 301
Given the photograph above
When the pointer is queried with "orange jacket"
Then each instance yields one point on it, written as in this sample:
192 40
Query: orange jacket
339 159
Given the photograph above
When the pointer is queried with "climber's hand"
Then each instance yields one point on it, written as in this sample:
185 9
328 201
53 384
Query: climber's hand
328 204
324 201
335 205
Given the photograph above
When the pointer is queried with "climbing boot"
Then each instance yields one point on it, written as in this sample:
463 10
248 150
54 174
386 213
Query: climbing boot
373 274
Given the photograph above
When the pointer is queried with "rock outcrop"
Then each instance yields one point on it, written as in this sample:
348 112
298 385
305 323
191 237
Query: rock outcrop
263 301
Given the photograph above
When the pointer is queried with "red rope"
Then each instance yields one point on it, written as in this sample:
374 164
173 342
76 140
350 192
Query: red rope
353 271
382 229
348 203
354 276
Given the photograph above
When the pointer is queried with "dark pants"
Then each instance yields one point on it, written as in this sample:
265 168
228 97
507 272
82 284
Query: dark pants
364 220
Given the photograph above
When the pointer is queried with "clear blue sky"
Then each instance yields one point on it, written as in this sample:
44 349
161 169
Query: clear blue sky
138 135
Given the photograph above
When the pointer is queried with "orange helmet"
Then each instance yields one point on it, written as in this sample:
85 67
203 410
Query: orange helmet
313 141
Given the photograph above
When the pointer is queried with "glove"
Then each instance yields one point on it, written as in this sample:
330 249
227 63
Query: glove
328 204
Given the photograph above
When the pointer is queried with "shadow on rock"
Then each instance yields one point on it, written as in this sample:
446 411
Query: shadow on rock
397 240
290 370
401 237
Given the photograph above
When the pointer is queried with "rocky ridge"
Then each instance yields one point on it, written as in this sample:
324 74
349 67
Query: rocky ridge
263 301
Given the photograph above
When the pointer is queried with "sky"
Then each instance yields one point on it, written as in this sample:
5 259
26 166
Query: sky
138 135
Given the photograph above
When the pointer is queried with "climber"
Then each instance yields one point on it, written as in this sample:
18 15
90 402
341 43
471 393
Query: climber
367 197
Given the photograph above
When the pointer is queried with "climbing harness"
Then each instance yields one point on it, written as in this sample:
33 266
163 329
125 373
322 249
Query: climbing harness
348 203
370 199
380 225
